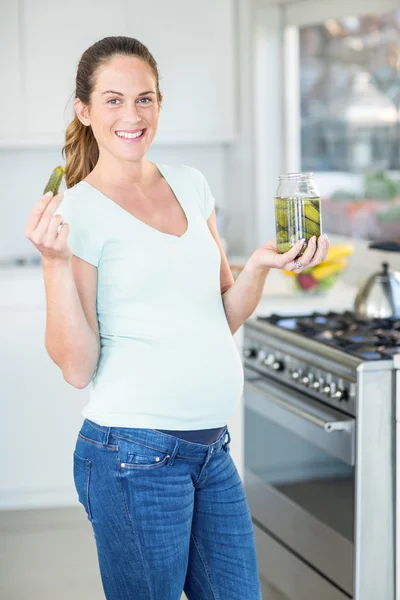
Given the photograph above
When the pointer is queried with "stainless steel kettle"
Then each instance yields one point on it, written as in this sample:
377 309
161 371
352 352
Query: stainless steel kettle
379 297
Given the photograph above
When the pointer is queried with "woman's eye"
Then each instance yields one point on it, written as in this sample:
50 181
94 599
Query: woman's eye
111 100
149 99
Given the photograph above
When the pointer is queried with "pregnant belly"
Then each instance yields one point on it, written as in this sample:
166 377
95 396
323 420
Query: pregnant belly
191 379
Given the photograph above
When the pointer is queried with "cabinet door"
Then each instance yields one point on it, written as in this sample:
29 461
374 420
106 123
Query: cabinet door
12 119
41 416
193 44
55 35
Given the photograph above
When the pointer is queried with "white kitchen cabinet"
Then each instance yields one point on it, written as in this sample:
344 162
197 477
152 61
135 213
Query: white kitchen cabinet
192 42
11 116
41 416
54 36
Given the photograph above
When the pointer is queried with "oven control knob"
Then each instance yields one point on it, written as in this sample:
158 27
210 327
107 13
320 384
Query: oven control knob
307 379
250 352
269 360
317 384
278 365
295 375
327 389
341 394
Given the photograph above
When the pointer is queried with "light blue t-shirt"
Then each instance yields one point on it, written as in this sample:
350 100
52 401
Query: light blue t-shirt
168 359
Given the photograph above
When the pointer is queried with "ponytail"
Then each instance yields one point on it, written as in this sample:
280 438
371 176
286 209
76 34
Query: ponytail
81 152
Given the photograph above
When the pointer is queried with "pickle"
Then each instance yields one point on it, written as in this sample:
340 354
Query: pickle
281 217
296 218
311 213
282 237
282 247
53 185
310 228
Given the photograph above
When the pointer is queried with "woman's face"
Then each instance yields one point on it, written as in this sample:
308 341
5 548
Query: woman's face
124 100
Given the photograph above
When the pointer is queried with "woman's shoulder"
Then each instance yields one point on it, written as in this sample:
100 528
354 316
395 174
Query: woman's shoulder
184 172
78 203
79 197
193 179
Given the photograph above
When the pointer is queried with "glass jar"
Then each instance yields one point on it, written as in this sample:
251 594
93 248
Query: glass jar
297 211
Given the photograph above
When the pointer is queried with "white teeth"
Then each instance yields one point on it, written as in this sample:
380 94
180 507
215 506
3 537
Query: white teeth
129 135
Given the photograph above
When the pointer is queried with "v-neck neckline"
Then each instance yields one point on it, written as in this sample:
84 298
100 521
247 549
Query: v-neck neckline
157 231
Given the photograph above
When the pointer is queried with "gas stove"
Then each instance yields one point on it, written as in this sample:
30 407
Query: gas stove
323 354
368 339
320 411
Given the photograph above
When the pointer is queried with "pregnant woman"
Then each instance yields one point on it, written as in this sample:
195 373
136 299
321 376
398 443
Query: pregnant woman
142 305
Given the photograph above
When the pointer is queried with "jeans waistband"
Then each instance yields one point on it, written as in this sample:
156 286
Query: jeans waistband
108 436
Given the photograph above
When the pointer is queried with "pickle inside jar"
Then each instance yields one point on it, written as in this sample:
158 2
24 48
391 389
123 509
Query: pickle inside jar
296 218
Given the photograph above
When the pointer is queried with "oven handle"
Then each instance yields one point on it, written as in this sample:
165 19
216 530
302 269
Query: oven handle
328 426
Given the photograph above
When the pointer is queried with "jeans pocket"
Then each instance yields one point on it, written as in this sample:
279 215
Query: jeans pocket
82 470
137 456
227 447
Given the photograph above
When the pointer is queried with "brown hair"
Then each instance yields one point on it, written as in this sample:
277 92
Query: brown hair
81 151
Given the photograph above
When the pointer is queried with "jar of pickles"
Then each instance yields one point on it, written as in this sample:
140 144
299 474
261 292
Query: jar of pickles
297 211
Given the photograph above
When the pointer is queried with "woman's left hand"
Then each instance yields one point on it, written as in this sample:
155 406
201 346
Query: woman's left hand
267 257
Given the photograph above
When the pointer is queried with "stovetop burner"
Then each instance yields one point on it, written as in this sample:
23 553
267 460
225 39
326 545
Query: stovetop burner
369 339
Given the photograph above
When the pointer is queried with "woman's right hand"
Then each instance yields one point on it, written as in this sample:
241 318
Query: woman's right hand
42 230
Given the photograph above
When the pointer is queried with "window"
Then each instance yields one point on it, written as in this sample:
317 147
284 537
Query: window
350 121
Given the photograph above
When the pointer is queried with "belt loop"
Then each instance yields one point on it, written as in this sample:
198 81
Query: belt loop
229 436
106 436
173 454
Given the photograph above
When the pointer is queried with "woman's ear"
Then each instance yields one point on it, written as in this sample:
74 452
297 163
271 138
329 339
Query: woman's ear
82 111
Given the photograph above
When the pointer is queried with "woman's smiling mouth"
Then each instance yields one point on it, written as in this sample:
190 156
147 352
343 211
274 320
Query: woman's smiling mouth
131 137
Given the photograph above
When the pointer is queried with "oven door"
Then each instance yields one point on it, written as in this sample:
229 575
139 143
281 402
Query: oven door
299 475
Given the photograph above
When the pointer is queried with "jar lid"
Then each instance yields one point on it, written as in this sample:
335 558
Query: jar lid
296 176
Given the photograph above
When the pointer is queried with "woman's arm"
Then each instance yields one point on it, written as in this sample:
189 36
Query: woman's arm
241 297
72 338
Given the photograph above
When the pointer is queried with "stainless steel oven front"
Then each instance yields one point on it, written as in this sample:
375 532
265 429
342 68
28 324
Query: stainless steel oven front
319 469
300 480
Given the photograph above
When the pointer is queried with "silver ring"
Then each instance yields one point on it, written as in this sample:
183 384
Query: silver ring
298 264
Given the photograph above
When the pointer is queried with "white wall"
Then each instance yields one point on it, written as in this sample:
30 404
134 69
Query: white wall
24 173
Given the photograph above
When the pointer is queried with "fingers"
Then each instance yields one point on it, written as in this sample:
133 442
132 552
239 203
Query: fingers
37 212
52 231
43 220
62 236
322 251
290 255
309 251
313 255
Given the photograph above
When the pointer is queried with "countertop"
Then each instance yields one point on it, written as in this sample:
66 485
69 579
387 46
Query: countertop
23 287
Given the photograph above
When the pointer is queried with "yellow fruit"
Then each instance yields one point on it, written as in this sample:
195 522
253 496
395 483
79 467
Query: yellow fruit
290 273
339 251
329 267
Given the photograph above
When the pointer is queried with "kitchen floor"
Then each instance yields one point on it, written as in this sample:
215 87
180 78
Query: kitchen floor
47 554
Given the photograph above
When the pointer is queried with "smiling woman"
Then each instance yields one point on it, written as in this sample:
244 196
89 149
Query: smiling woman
138 300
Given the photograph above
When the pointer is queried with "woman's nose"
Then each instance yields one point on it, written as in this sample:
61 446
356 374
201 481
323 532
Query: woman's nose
132 113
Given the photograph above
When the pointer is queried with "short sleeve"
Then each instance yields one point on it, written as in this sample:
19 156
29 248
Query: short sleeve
83 237
207 200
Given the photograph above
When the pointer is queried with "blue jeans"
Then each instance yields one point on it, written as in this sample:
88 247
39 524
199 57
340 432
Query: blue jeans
167 515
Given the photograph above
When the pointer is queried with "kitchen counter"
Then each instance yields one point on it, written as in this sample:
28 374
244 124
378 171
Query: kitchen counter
280 297
24 287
